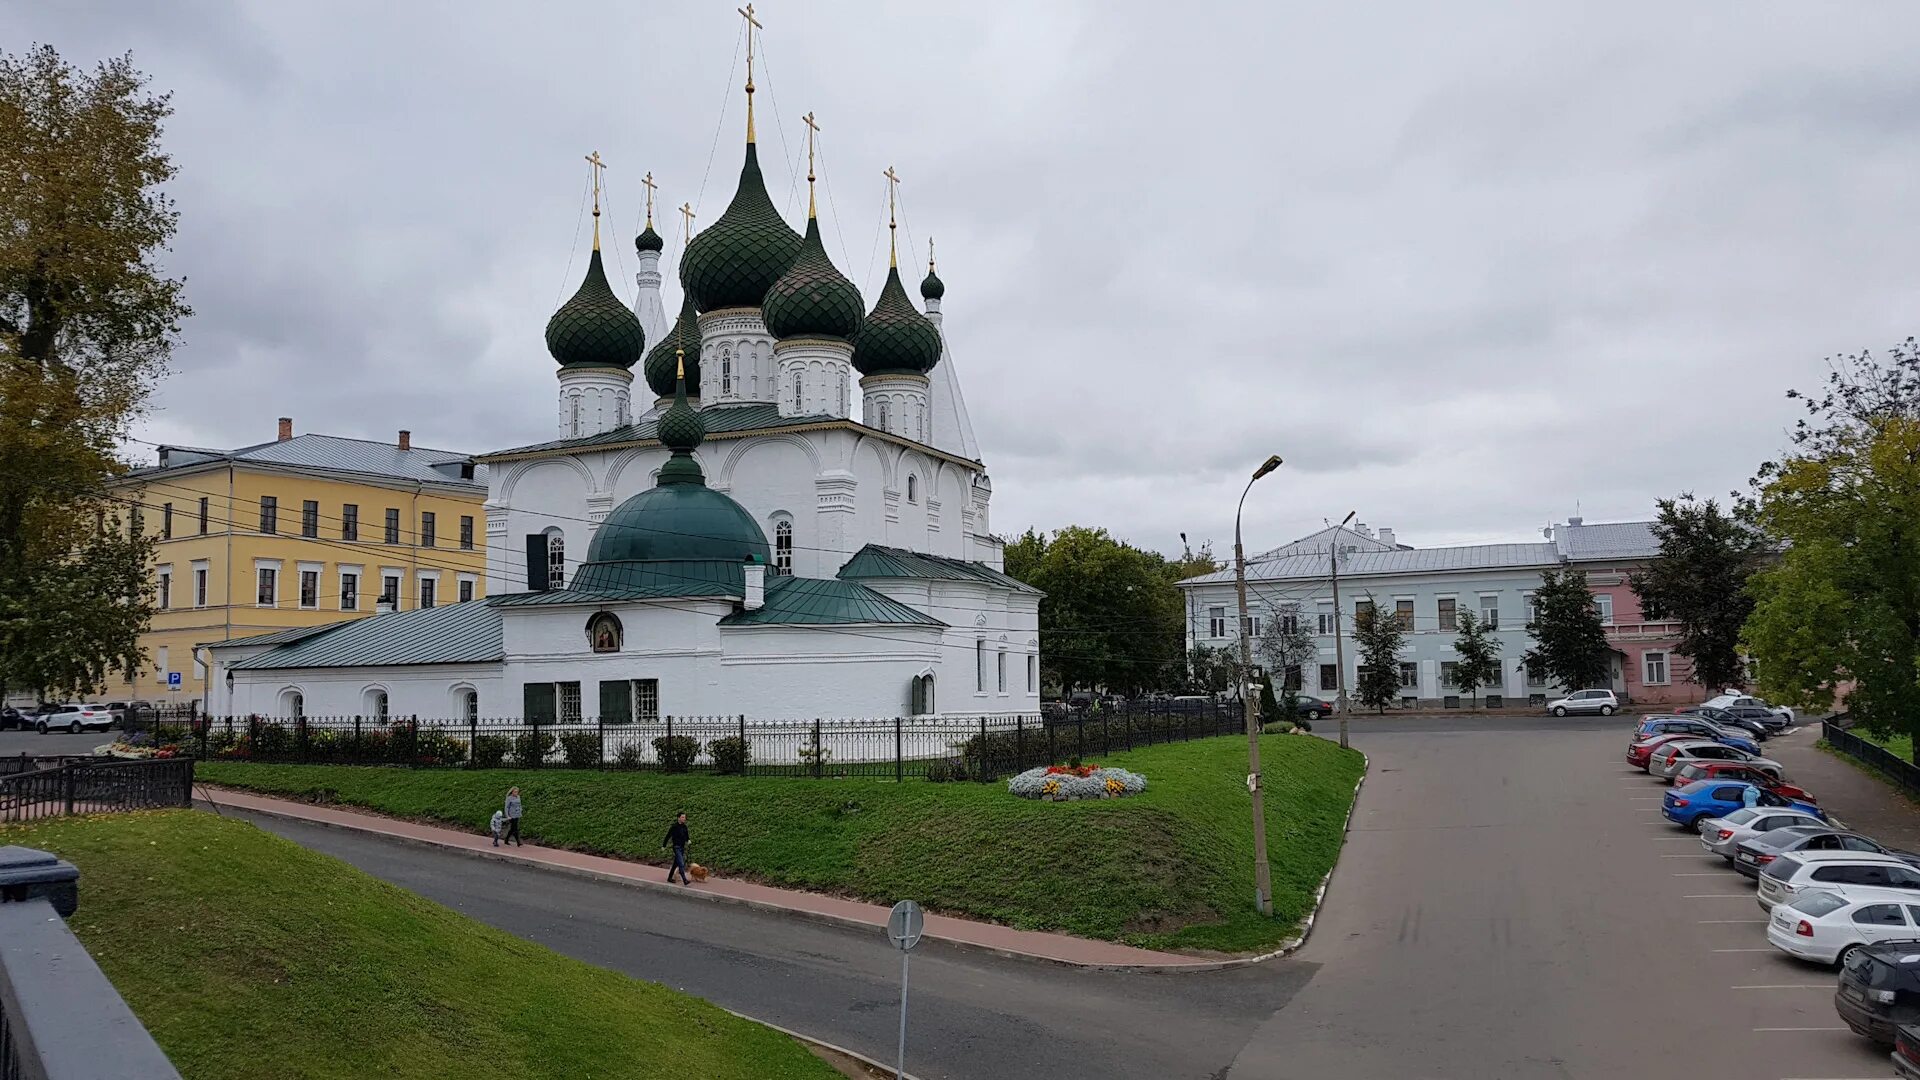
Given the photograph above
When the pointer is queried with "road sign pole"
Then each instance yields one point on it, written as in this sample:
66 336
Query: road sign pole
904 925
900 1069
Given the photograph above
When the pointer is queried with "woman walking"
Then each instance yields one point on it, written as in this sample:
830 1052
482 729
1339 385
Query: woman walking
513 816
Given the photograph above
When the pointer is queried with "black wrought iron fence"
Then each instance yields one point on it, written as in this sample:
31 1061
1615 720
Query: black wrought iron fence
1898 770
96 785
977 747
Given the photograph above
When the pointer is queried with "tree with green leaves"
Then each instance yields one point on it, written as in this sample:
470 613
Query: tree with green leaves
1111 618
1569 641
1841 607
1214 669
1283 645
1700 580
1479 655
87 324
1378 638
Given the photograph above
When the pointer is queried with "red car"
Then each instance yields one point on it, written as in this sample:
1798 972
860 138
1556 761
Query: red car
1640 753
1740 770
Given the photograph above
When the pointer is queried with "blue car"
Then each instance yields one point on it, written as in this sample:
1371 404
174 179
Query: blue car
1690 805
1678 726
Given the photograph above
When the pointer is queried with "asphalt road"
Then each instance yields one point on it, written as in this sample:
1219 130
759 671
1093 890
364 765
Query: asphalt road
32 742
972 1015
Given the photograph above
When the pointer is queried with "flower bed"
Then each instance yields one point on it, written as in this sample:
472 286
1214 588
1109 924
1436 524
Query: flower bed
137 752
1060 783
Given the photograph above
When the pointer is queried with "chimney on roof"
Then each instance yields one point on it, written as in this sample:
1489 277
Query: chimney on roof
406 439
754 576
1575 520
1386 537
286 428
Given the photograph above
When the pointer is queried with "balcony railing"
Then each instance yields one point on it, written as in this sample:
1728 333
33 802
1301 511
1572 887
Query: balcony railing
1642 631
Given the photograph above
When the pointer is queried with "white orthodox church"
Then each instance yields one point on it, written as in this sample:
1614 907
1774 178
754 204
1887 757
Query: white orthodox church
785 516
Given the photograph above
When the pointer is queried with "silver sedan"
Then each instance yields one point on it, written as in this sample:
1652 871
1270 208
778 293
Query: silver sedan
1722 834
1674 756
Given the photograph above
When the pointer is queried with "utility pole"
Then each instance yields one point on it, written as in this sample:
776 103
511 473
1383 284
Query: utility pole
1339 655
1262 876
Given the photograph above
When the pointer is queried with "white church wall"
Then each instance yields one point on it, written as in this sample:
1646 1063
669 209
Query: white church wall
787 673
983 622
773 478
675 642
427 691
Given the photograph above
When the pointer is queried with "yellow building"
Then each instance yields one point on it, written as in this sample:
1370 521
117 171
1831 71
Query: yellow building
298 532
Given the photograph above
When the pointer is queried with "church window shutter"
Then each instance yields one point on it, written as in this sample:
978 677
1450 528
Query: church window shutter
539 703
616 701
537 562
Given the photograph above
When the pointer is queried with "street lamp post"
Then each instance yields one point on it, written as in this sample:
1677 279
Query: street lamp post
1262 877
1339 658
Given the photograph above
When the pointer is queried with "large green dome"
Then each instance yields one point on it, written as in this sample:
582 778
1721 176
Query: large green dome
680 522
733 262
683 337
896 339
812 299
595 328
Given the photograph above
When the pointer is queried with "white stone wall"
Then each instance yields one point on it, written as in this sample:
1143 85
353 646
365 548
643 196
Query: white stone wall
814 376
982 623
593 400
736 358
427 691
897 405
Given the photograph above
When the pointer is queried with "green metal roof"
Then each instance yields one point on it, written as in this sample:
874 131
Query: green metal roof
278 637
719 420
792 601
466 633
874 561
604 582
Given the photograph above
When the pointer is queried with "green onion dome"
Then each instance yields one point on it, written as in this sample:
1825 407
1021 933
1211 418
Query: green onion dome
812 299
931 287
683 337
648 240
896 339
595 328
737 259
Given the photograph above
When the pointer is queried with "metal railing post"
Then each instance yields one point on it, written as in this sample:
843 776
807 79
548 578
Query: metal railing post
818 765
899 762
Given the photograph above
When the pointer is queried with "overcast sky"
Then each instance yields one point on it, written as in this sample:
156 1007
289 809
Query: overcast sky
1465 266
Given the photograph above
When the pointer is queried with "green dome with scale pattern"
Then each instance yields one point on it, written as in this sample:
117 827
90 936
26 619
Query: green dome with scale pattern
682 337
812 299
595 328
737 259
896 339
648 240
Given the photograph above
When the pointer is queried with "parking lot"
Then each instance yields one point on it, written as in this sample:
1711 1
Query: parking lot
1511 904
55 742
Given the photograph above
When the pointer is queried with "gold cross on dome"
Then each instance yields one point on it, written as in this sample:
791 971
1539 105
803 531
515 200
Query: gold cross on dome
647 180
686 222
596 166
893 250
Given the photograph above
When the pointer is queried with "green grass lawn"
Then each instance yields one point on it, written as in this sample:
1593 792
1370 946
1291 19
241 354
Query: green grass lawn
1900 745
248 956
1169 868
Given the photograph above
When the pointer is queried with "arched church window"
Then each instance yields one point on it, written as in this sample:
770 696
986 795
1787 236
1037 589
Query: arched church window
883 416
921 695
604 633
913 488
783 548
797 385
573 415
620 413
293 704
556 559
377 705
726 371
470 706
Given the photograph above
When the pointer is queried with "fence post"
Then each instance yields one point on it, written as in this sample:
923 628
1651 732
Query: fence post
413 740
1019 744
747 763
359 750
982 770
1080 733
817 763
603 741
473 738
899 765
67 775
305 755
540 747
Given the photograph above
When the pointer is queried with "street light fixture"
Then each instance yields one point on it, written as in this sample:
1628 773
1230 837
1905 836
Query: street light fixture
1262 876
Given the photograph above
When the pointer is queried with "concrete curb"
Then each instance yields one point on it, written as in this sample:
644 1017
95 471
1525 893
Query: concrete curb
821 1043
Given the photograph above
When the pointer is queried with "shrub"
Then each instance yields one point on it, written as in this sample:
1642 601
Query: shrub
489 751
532 748
628 756
676 752
730 755
582 749
947 770
169 733
435 747
272 741
1278 727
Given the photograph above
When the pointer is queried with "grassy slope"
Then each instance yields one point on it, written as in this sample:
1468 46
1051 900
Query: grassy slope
1170 868
248 956
1899 745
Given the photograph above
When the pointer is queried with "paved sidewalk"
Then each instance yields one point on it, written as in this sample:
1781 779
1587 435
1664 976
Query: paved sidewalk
1850 793
1060 948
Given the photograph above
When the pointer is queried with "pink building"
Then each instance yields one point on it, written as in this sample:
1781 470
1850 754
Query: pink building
1647 668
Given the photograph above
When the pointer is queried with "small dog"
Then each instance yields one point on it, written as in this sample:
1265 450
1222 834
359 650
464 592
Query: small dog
699 872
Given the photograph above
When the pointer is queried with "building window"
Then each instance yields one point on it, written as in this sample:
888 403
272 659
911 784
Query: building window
466 589
349 521
1409 676
1450 673
1362 614
1003 670
470 706
296 705
1291 680
427 528
309 588
1536 676
1328 622
199 586
1216 622
783 547
349 592
573 415
166 521
163 589
390 591
604 632
1490 612
556 560
726 371
980 665
1449 620
1329 678
646 700
268 594
466 532
796 391
393 524
883 416
310 518
1533 607
913 488
1656 668
426 591
1251 627
1290 620
1403 613
1603 603
377 705
920 695
203 515
1033 674
567 701
269 514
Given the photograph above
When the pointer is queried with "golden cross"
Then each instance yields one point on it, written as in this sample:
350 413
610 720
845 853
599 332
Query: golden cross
893 251
650 185
686 223
929 254
813 129
595 166
752 25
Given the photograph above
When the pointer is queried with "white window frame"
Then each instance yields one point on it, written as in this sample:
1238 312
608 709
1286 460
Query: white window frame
399 574
202 572
1033 673
556 558
357 573
1490 600
266 564
1002 671
783 544
163 587
421 580
1409 668
302 570
1449 674
979 665
1328 621
469 588
1216 622
1440 621
1603 602
1413 611
1666 667
1532 606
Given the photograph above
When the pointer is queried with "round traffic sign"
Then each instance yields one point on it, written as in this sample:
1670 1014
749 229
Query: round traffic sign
905 924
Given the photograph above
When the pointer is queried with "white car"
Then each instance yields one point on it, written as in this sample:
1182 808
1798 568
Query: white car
1722 834
1842 872
1585 701
74 717
1727 699
1825 926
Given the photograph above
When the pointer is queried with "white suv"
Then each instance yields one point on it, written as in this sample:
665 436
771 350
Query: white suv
1585 701
73 717
1841 872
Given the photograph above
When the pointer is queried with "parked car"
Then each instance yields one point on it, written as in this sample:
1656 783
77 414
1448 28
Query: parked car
1691 805
1752 856
1835 871
11 717
1722 835
1906 1052
1759 771
74 717
1760 727
1731 700
1826 927
1312 708
1601 702
1191 703
1705 729
1879 989
1640 754
1673 757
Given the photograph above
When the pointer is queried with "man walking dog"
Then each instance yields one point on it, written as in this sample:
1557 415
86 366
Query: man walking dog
677 837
